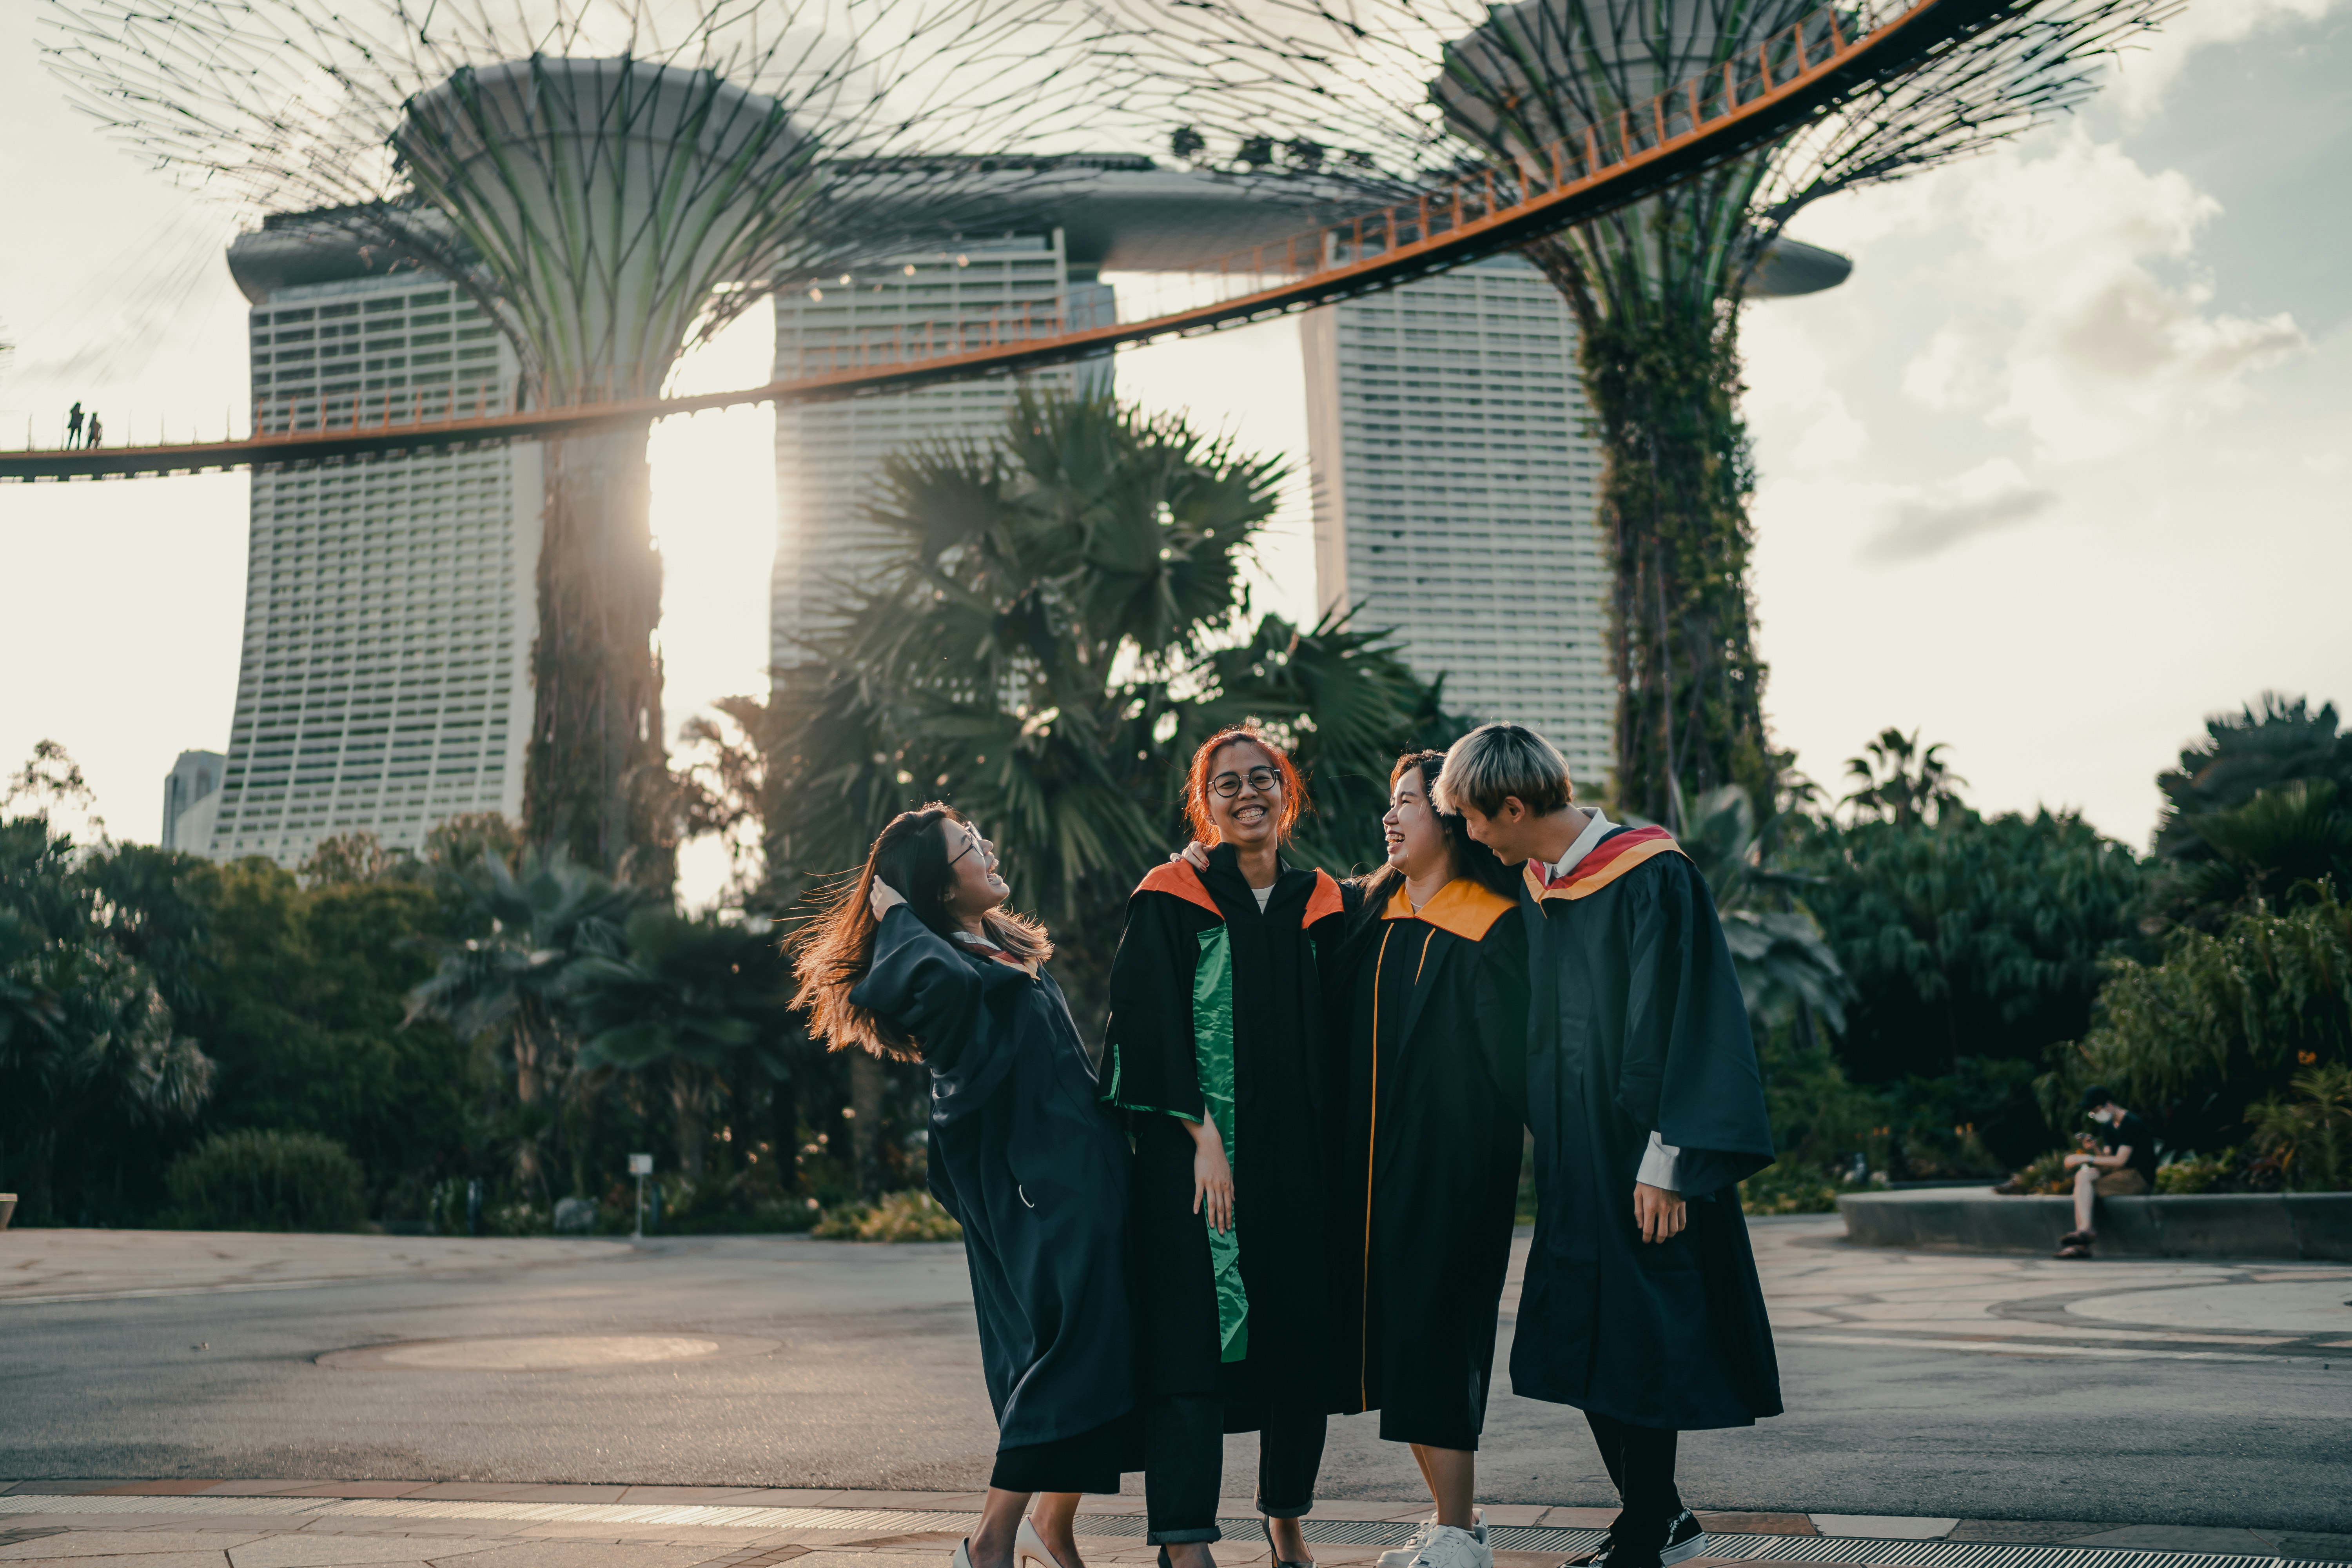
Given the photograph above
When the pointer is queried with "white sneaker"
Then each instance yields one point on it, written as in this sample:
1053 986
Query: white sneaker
1448 1546
1402 1556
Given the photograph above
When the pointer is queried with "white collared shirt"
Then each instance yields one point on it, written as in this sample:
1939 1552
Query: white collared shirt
1661 1158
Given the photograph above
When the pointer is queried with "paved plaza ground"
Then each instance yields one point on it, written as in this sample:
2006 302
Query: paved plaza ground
830 1394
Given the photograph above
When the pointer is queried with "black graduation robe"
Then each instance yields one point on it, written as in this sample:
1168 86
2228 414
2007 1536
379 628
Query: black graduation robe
1032 1165
1635 1023
1436 1028
1216 1006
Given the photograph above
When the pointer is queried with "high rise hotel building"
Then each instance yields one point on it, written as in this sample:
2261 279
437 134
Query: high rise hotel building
1455 491
829 456
389 603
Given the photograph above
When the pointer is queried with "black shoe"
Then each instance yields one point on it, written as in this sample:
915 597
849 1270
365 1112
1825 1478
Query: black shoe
1686 1538
1266 1524
1681 1539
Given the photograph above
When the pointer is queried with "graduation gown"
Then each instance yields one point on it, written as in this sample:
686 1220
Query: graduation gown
1636 1024
1032 1165
1436 1031
1215 1007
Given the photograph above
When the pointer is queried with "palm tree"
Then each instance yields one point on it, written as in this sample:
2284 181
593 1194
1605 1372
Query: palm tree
689 999
1788 972
1902 782
510 982
1057 621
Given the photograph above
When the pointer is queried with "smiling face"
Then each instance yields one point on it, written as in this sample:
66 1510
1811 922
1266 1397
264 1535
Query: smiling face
1252 815
1416 839
976 889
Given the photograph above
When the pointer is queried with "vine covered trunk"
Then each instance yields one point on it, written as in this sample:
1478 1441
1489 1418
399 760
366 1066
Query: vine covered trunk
595 779
1663 379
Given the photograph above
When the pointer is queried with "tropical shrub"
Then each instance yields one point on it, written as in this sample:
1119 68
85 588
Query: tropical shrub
896 1217
2226 1019
2273 741
2194 1173
98 1074
267 1181
2309 1133
1974 937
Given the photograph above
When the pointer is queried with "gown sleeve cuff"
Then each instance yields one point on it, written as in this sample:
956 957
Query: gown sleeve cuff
1659 1162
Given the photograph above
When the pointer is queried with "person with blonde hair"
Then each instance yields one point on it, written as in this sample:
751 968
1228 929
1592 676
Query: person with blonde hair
1640 1304
916 958
1218 1052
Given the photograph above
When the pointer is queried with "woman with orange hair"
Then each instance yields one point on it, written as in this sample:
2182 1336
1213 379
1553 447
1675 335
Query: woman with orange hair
917 958
1217 1051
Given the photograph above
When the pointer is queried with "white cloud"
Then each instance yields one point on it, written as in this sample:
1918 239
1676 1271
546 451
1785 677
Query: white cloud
2079 312
1993 495
2145 75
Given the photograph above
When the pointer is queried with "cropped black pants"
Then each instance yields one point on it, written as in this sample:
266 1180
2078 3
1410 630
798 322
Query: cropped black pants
1184 1463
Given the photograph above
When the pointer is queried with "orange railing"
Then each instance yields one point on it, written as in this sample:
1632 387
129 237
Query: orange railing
1794 74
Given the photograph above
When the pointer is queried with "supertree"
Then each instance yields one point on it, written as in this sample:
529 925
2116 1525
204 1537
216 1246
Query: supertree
1393 94
613 180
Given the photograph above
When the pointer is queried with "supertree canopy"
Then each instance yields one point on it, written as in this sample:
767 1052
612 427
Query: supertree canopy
1393 93
612 179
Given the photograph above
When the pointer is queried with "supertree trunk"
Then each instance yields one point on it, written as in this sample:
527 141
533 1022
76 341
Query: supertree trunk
1661 374
594 780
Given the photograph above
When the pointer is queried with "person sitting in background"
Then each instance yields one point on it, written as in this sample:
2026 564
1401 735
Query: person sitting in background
2122 1165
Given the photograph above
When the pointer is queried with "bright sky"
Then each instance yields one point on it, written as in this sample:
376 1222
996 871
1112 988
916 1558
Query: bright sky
2062 470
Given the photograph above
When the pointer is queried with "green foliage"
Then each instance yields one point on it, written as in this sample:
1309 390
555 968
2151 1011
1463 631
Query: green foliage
2045 1174
303 1001
1790 1189
2273 741
258 1179
2197 1172
94 1065
1976 937
1662 371
1787 971
2309 1135
1057 621
896 1217
2227 1017
2277 846
1902 782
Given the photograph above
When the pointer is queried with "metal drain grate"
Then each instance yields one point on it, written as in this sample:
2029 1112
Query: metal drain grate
1838 1549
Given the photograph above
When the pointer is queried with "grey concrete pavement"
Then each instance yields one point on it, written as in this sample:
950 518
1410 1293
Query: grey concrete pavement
2136 1395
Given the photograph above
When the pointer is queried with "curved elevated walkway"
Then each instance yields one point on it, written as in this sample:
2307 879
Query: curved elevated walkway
1826 59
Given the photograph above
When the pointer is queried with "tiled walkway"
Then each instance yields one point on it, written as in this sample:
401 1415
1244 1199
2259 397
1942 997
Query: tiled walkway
244 1524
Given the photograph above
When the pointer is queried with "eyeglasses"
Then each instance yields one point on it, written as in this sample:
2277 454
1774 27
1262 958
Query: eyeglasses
1263 780
970 844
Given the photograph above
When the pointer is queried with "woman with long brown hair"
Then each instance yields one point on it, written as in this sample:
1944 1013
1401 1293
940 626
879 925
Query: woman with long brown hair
1434 980
916 958
1217 1051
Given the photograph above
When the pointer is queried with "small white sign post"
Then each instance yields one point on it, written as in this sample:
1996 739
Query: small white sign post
641 1166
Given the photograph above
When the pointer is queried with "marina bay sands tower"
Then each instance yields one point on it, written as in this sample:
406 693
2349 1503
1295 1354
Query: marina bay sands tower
385 682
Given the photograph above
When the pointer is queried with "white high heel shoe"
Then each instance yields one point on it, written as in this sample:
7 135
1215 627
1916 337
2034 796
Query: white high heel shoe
961 1556
1028 1547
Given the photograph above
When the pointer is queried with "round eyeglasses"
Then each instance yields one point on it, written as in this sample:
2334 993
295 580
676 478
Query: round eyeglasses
1263 780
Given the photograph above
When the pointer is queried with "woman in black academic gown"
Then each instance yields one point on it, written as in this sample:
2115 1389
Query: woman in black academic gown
917 958
1217 1051
1436 979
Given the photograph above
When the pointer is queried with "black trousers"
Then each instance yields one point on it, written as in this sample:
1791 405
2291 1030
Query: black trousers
1184 1464
1084 1462
1641 1461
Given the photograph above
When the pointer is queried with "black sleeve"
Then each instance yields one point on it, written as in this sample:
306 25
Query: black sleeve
919 982
1502 1008
1690 1066
1148 1052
